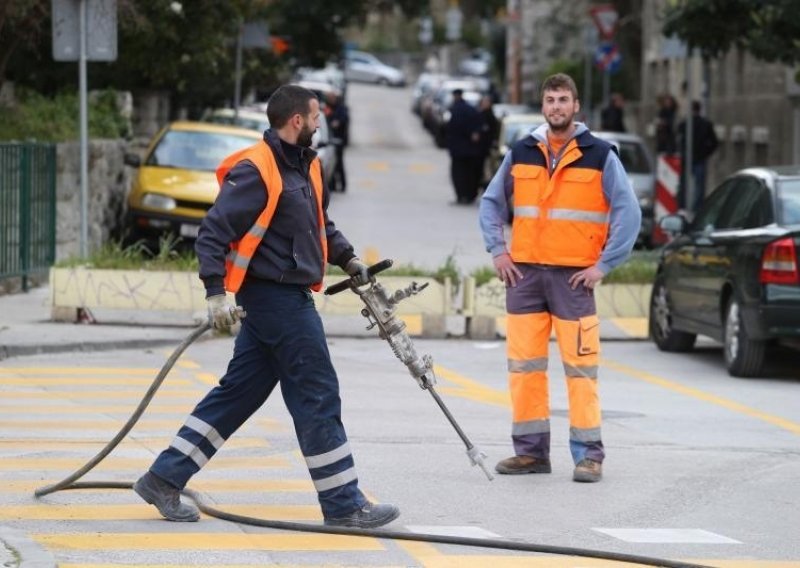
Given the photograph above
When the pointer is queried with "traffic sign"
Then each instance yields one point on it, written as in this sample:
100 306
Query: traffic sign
605 17
607 57
100 25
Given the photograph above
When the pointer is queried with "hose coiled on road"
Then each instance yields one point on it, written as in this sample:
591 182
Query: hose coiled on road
70 482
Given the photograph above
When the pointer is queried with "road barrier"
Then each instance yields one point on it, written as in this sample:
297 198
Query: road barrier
668 175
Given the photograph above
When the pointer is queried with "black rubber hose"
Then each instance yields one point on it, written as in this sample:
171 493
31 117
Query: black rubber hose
71 482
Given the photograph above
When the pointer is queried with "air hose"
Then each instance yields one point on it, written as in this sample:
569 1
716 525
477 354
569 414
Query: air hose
71 482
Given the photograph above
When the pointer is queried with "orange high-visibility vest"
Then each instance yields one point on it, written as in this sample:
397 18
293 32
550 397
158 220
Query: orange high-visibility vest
242 251
560 219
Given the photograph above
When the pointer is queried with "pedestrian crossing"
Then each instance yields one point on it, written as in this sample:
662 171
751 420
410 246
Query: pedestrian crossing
53 420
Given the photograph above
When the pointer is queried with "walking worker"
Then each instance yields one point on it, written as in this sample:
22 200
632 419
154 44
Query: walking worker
267 238
575 217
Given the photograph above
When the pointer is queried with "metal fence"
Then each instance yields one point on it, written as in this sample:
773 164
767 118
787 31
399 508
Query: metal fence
27 209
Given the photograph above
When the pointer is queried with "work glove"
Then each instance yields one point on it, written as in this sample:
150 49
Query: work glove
358 271
221 313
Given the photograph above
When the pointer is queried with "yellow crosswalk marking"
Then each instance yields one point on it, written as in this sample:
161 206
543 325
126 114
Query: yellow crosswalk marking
82 381
145 424
206 541
113 462
81 395
143 512
328 565
94 445
470 389
113 371
210 486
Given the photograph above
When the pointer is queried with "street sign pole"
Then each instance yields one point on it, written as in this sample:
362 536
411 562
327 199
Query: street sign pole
84 131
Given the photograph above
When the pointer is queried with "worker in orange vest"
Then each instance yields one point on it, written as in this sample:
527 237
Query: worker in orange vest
575 217
267 239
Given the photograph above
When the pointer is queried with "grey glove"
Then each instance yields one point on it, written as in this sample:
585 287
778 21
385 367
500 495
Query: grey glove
358 271
221 313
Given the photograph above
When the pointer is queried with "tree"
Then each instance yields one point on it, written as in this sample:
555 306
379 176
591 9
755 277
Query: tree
22 24
767 29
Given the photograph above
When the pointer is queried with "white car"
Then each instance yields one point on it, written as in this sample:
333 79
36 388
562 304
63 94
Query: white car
365 67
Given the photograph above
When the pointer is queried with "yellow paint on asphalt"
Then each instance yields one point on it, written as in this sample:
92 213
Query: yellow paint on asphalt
111 371
81 395
51 409
421 168
209 379
470 389
378 166
205 485
185 363
93 445
367 184
145 424
81 381
140 512
113 462
206 541
698 394
216 565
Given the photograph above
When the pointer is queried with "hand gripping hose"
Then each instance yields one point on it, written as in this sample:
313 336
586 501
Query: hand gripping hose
71 482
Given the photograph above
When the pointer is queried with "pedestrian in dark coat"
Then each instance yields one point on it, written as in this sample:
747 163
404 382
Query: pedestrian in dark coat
704 144
463 136
338 116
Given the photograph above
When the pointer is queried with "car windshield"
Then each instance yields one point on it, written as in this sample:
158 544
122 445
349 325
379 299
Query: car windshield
633 157
517 130
193 150
789 199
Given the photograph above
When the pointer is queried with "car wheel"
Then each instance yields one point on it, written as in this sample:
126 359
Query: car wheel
663 334
744 357
383 81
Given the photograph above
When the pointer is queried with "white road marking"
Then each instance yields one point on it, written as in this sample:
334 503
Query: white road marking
683 536
458 531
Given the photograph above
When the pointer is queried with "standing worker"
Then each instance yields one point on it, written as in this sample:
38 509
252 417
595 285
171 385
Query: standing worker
575 217
267 238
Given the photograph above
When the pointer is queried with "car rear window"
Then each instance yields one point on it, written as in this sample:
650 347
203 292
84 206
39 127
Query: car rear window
192 150
789 202
633 158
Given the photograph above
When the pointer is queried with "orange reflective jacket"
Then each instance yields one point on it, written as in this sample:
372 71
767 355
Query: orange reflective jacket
242 251
560 219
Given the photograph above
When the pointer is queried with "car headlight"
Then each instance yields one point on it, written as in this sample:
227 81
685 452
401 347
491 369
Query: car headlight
158 201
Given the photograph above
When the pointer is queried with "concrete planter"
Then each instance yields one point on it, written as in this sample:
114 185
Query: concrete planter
134 296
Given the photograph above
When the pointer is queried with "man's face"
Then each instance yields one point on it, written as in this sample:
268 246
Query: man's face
559 108
310 125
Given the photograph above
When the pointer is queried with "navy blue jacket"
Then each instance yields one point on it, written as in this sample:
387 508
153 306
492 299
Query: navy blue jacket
290 251
465 120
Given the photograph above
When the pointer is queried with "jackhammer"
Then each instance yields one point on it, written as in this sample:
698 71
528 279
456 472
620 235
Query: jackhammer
381 312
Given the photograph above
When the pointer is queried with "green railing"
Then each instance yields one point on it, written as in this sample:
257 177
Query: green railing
27 209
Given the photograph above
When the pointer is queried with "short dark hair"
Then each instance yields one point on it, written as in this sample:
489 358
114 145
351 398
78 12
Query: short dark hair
458 92
559 81
287 101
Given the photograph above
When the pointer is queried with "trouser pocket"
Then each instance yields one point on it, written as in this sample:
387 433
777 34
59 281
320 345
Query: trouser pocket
588 335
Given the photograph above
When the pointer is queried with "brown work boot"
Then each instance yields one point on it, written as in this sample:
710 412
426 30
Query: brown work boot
523 464
588 471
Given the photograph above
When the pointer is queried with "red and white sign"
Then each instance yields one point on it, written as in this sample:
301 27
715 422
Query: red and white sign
668 176
605 17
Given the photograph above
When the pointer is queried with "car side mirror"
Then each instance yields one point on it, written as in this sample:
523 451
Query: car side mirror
132 160
672 224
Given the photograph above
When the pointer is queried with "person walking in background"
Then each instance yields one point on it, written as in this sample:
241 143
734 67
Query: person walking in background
463 136
665 124
575 217
612 117
704 144
338 116
267 238
490 127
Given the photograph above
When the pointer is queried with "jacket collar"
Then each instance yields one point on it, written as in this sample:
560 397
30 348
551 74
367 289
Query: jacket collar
540 135
274 142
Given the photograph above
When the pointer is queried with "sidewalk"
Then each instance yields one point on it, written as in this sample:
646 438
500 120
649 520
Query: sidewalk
26 329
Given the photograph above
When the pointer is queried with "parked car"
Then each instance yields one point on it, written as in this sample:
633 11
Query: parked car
365 67
478 62
640 167
513 127
733 273
176 183
322 142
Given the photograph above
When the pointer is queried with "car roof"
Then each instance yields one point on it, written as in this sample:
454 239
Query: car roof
787 171
620 136
253 114
193 126
524 117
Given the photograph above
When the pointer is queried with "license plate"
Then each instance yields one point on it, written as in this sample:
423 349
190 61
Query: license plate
189 231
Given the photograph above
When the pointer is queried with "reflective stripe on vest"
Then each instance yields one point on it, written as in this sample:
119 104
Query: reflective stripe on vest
242 251
560 219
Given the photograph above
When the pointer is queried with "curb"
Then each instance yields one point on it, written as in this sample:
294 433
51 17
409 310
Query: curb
22 551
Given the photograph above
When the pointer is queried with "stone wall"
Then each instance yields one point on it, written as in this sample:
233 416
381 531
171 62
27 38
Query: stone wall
109 180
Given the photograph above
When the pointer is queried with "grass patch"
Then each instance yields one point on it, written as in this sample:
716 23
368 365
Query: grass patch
114 256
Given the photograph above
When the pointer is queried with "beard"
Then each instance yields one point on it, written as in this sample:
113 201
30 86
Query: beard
305 136
560 124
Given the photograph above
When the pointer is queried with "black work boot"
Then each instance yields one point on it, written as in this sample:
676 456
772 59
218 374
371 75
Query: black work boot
369 516
523 464
166 498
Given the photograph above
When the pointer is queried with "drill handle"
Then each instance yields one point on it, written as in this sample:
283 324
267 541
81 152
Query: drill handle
345 284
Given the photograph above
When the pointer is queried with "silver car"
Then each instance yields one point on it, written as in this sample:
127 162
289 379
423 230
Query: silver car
640 166
365 67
